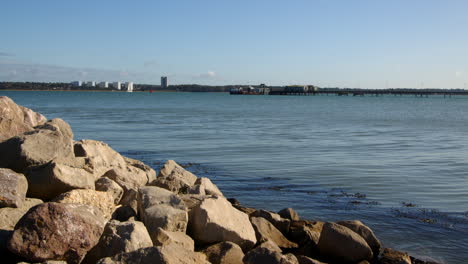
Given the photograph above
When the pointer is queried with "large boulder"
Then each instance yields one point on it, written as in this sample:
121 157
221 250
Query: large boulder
306 260
306 234
13 188
119 237
268 252
215 220
207 187
340 243
280 223
289 213
391 256
10 216
52 140
150 173
161 208
163 238
59 176
16 119
101 155
104 201
53 231
224 253
266 231
365 232
105 184
175 178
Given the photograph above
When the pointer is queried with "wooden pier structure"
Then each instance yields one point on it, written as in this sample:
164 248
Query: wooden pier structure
375 92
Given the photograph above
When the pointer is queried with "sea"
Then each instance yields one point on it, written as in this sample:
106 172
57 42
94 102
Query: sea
397 163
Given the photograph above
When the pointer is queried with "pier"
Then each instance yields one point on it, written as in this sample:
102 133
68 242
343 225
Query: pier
374 92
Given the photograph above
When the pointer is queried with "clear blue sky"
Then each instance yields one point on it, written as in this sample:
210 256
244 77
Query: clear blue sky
347 43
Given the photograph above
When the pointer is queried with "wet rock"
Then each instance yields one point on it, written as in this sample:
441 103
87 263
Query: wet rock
264 231
391 256
119 237
289 213
342 244
306 260
162 238
101 200
215 220
224 253
209 187
53 231
365 232
105 184
175 178
161 208
13 188
46 142
10 216
280 223
16 119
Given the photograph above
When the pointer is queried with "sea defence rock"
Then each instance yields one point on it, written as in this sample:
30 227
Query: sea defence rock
268 252
224 253
391 256
163 238
161 208
365 232
101 200
340 243
175 178
16 119
101 155
306 260
264 231
119 237
13 187
208 187
289 213
105 184
10 216
280 223
215 220
53 231
52 140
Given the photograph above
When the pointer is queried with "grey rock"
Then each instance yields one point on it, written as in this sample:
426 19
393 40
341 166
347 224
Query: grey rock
13 188
209 187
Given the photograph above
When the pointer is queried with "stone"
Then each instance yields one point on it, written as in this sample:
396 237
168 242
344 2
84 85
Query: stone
159 207
175 178
100 154
209 187
52 140
289 213
290 259
193 200
264 231
16 119
268 252
123 213
101 200
171 254
130 199
13 188
162 238
128 177
305 232
119 237
246 210
391 256
215 220
58 176
54 231
365 232
280 223
10 216
105 184
340 243
150 173
224 253
306 260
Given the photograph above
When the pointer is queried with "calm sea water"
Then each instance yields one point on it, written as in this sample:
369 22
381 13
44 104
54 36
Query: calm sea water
400 164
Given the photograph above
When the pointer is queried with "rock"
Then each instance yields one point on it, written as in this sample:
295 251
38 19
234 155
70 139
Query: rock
306 260
10 216
130 199
53 231
161 208
150 173
224 253
118 238
215 220
264 231
305 232
101 200
105 184
52 140
391 256
193 200
365 232
163 238
246 210
209 187
280 223
101 156
175 178
234 201
342 244
47 262
128 177
123 213
268 252
171 254
59 176
13 188
289 213
290 259
16 119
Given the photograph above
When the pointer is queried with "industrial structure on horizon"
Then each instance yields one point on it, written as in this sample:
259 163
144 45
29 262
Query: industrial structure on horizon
164 82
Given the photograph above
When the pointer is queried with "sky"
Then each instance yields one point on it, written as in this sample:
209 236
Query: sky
328 43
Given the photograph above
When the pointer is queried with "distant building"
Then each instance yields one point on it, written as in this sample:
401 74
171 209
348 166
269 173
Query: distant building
164 82
117 85
77 83
129 86
90 84
103 85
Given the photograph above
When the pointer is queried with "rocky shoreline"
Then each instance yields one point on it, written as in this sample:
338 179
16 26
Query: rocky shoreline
67 201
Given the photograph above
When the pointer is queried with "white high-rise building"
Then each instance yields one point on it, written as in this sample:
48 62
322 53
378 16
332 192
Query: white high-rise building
77 83
103 85
117 85
129 86
90 84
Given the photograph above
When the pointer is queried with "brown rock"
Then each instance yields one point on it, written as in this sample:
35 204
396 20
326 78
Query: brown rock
264 231
306 260
16 119
175 178
209 187
268 252
53 231
365 232
13 188
101 200
280 223
163 238
10 216
100 154
289 213
150 173
224 253
391 256
105 184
